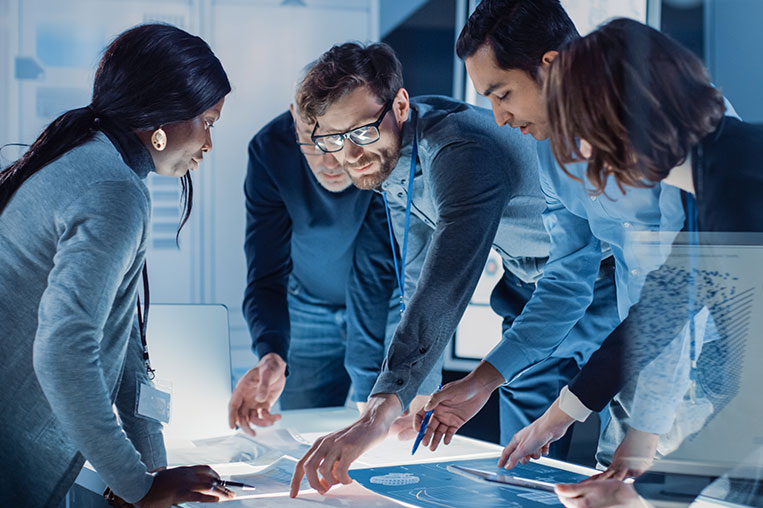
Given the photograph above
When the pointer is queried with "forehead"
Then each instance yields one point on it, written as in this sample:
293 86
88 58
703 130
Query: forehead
359 107
217 109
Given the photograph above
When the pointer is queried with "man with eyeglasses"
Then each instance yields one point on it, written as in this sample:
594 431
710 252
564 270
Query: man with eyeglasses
319 278
455 185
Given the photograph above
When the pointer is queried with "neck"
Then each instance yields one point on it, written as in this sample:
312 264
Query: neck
681 177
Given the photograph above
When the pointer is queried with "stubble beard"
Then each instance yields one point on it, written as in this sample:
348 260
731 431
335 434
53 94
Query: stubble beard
387 159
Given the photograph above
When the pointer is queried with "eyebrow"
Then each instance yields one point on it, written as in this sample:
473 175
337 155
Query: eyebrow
339 131
490 89
357 125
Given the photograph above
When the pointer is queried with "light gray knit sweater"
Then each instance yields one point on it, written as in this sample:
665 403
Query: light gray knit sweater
72 245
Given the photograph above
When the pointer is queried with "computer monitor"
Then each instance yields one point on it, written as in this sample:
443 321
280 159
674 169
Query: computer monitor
189 347
729 441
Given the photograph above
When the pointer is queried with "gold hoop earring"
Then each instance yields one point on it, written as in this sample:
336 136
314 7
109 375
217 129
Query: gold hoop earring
159 139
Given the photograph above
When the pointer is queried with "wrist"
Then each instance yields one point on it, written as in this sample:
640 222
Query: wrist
487 377
273 361
557 418
382 409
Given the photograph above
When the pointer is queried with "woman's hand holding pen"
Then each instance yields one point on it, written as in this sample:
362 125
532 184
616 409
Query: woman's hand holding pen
182 485
457 403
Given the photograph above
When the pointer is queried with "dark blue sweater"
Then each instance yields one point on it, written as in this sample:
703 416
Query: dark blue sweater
296 227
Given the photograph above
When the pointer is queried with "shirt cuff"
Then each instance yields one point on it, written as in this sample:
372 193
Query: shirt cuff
571 405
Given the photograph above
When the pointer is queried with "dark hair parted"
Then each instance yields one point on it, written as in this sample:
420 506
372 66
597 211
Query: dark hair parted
150 75
519 31
639 98
345 67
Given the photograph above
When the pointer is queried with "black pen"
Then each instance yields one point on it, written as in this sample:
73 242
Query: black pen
229 483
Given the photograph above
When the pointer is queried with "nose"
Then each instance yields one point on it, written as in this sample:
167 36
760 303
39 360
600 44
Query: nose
207 146
352 152
329 161
501 116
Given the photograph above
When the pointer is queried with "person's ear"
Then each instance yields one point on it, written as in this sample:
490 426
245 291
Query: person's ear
401 107
545 65
547 58
291 110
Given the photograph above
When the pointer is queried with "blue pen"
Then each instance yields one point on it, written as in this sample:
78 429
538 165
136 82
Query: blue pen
423 427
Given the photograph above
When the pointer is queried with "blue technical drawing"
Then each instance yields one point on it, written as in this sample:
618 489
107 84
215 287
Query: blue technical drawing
432 485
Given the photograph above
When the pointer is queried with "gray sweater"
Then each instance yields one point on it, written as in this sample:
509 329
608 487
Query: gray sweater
72 245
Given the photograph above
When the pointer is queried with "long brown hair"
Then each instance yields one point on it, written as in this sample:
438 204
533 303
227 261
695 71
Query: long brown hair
639 98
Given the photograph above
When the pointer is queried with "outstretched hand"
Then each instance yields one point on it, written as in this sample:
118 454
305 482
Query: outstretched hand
633 456
535 439
255 394
456 403
600 494
332 455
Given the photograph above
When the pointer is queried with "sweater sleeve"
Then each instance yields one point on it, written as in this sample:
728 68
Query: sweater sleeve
371 286
267 246
100 239
145 433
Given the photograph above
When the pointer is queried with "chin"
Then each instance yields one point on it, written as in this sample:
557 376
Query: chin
336 186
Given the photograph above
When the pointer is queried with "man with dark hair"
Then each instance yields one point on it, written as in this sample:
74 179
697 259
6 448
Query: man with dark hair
495 44
455 185
319 281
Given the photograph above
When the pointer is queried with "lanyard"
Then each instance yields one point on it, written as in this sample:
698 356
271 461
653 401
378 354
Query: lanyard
691 211
400 270
143 323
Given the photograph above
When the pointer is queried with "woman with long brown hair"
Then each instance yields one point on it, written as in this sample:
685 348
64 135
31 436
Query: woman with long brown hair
640 109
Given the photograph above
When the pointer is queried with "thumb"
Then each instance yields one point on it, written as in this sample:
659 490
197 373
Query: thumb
433 401
570 489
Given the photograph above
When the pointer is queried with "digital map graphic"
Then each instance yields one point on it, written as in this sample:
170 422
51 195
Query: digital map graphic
432 485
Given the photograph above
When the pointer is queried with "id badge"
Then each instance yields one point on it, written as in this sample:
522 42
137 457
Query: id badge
155 401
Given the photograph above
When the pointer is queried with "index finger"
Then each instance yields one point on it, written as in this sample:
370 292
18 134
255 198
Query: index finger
296 479
233 407
205 471
507 451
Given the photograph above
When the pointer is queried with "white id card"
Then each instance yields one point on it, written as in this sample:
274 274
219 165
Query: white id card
153 402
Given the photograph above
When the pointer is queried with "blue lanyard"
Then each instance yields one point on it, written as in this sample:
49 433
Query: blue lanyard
691 210
400 269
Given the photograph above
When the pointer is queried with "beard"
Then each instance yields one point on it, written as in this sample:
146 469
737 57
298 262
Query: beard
387 159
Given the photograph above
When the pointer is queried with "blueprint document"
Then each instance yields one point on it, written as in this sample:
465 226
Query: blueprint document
432 485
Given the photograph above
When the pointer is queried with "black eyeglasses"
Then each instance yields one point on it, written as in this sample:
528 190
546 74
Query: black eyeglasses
363 135
307 148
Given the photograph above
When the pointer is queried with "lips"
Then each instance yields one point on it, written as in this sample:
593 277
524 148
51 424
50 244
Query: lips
362 169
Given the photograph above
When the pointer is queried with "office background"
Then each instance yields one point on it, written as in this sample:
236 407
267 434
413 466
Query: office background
49 49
